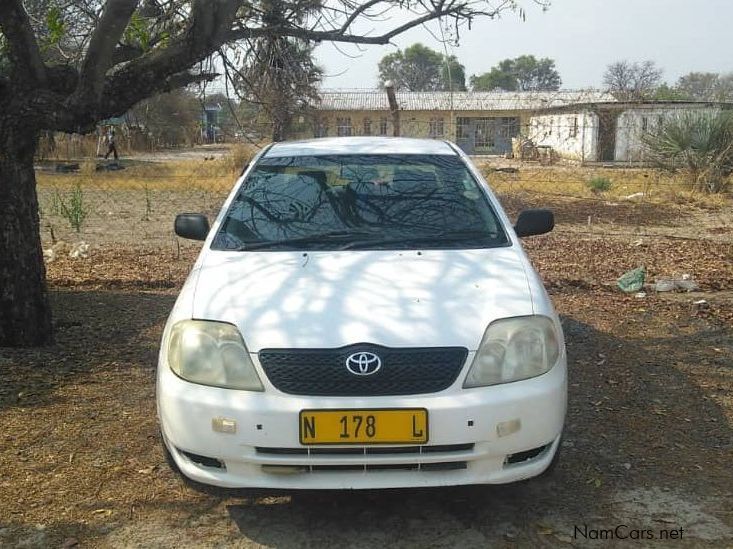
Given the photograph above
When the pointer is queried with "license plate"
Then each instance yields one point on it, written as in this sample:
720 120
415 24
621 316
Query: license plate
375 426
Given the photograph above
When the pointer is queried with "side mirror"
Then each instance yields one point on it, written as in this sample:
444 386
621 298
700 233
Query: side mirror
192 225
531 222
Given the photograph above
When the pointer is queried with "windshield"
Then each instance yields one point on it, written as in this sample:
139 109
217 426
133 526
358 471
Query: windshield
343 202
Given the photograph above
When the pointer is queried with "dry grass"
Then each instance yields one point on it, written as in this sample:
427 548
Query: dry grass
211 175
572 181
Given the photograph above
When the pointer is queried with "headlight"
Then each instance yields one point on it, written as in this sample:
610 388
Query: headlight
513 349
211 353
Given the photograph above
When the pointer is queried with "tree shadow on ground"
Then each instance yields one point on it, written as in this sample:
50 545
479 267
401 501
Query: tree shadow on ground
94 330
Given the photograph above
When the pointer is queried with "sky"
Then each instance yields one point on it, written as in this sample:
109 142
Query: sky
582 36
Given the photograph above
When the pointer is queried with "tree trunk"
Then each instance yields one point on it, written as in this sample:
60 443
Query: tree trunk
25 314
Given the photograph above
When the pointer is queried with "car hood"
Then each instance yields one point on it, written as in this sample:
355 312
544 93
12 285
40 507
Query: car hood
391 298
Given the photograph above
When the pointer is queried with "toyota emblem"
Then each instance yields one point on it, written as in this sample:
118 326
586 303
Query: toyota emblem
363 363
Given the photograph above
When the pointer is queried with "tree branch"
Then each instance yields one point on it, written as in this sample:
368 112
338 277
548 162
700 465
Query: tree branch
25 57
102 45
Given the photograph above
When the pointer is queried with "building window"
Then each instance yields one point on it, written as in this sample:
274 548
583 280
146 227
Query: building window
463 126
321 129
383 126
437 128
573 127
367 126
343 127
508 127
413 128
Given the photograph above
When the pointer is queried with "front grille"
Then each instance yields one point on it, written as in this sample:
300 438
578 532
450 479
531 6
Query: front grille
364 467
366 450
322 372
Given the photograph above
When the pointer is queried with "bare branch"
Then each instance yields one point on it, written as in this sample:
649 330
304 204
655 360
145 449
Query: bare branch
99 56
24 53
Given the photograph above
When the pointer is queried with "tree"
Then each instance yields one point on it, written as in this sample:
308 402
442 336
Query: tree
453 74
282 77
632 81
172 118
498 78
665 92
418 68
706 86
699 144
116 53
524 73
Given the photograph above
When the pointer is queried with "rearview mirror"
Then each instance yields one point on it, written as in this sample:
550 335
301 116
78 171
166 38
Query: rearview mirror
192 225
532 222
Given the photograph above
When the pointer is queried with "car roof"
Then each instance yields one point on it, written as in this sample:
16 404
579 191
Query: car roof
360 145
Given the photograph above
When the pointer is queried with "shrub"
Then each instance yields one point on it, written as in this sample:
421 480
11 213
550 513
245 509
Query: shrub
236 158
599 184
75 211
698 144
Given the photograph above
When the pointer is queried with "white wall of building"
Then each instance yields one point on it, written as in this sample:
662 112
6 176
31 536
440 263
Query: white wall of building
573 136
633 124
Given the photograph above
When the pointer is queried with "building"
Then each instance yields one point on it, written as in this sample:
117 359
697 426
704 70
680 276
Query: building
585 126
210 129
606 131
479 122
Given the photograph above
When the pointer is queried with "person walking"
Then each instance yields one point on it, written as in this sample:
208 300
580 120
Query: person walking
111 148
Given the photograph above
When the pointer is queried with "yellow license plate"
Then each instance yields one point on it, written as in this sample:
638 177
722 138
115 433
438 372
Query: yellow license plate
375 426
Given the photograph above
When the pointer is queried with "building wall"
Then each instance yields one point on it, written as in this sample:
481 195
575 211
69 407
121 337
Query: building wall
573 136
632 124
435 124
627 138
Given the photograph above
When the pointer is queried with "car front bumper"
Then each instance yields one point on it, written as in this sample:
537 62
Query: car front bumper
489 435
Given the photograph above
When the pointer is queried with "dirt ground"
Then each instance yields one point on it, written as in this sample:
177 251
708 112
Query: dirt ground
649 434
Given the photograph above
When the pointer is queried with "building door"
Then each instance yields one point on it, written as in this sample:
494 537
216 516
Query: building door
484 131
507 129
464 134
607 126
486 135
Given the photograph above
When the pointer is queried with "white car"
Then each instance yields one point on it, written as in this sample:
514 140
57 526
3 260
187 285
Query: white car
362 315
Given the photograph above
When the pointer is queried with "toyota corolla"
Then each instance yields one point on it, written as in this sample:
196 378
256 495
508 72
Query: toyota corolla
362 315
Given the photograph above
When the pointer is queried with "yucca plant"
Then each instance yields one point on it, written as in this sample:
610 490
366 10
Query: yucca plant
700 144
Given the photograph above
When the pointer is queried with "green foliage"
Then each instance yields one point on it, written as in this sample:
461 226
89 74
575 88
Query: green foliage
55 25
75 211
148 203
524 73
495 79
665 92
599 185
453 74
418 68
698 144
138 32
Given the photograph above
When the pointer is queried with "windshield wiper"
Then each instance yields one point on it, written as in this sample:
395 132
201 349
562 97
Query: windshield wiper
309 239
438 237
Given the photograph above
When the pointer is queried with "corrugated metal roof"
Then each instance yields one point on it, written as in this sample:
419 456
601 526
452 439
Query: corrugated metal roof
376 100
